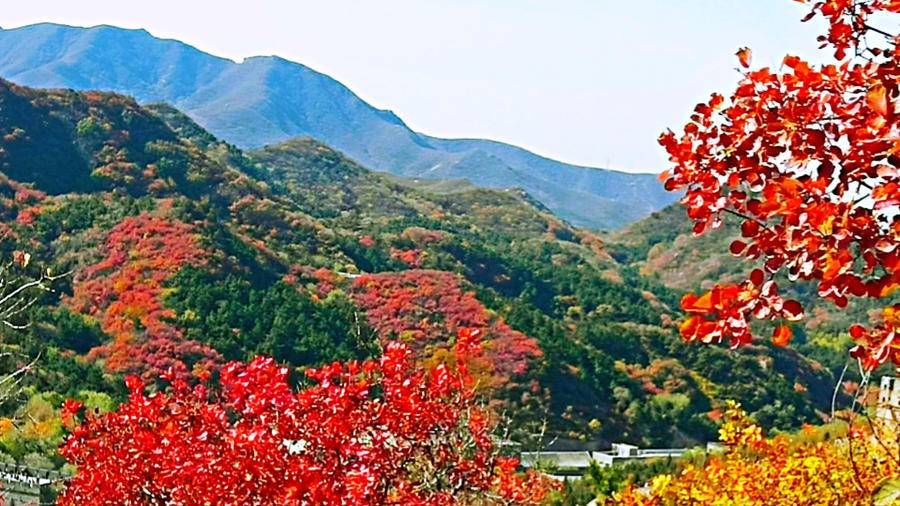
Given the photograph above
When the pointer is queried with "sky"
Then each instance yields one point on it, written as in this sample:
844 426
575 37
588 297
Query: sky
591 82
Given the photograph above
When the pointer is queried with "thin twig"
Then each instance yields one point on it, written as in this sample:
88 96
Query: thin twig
837 386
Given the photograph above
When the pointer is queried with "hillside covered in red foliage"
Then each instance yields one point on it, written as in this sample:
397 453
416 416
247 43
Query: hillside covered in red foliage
427 309
124 292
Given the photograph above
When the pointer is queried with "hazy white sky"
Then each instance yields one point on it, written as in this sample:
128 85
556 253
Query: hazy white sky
584 81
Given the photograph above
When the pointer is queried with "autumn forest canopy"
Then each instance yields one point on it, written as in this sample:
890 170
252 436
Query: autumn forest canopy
186 322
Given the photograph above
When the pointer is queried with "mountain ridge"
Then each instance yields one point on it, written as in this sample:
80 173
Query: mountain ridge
268 99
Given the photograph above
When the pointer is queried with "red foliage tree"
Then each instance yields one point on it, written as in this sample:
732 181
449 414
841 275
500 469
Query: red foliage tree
367 241
19 203
411 257
365 433
124 292
809 162
428 308
422 236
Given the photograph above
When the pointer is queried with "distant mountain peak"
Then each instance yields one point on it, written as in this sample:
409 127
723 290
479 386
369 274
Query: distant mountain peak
268 99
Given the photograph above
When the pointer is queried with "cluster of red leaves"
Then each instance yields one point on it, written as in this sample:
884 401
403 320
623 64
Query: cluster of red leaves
124 292
809 161
661 376
723 312
263 215
326 280
422 236
118 169
428 308
25 195
30 199
18 202
320 281
367 241
411 257
28 215
848 22
377 432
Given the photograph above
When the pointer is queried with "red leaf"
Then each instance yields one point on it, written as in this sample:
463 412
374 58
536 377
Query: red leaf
792 310
749 228
757 276
737 247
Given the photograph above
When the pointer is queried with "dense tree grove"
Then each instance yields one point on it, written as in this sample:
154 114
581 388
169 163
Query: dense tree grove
241 320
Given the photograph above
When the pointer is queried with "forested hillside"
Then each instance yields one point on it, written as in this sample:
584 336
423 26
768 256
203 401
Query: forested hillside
186 252
663 248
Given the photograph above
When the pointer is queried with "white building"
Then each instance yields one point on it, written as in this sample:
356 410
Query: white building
626 453
888 407
573 464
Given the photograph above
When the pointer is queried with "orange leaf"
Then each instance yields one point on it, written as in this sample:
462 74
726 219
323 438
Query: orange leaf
744 56
689 327
692 304
876 99
782 335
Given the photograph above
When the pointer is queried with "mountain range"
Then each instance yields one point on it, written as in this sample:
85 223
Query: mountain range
267 100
